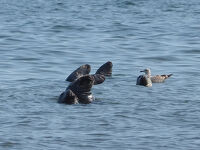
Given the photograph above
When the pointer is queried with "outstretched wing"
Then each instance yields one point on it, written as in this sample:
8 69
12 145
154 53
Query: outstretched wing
79 72
105 69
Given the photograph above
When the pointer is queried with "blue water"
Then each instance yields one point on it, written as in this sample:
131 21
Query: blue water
43 41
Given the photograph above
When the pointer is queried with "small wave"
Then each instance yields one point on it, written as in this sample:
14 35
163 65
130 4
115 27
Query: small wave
4 36
26 58
60 3
27 79
8 144
161 58
125 3
194 51
68 27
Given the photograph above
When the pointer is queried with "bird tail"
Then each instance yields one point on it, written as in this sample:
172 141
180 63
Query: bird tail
169 75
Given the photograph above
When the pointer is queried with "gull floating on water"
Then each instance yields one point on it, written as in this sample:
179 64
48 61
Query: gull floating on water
156 78
147 79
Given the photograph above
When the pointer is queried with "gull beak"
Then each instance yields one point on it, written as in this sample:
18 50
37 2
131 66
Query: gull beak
142 71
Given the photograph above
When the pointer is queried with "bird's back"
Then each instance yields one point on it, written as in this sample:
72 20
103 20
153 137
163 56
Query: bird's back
159 78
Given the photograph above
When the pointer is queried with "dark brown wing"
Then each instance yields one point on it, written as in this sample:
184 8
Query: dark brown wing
79 72
105 69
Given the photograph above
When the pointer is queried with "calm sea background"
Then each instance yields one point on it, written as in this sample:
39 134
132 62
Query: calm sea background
43 41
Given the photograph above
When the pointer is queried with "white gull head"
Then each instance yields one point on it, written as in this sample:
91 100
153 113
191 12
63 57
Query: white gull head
147 72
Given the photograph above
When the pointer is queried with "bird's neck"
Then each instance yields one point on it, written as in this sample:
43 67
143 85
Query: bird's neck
148 74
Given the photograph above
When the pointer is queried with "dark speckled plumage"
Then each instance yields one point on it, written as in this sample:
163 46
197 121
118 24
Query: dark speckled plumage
79 91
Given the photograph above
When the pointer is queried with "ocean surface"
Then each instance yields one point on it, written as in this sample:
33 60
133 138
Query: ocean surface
43 41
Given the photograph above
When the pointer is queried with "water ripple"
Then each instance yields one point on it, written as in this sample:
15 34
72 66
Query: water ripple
44 41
